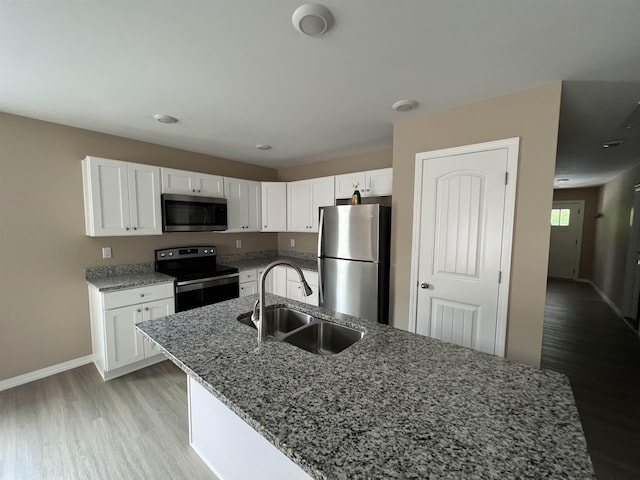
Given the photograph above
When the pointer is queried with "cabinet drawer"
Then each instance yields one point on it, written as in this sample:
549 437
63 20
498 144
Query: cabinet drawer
132 296
248 288
248 276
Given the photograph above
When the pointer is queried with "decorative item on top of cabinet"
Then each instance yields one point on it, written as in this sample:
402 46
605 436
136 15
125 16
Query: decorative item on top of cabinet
192 183
355 198
373 183
121 198
304 199
274 206
118 348
243 205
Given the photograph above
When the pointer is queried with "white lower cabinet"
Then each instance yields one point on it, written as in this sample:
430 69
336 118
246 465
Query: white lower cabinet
294 287
118 348
281 281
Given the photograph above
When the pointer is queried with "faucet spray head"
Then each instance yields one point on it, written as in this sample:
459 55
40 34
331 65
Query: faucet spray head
306 288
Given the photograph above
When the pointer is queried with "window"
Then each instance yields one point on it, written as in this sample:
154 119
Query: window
560 217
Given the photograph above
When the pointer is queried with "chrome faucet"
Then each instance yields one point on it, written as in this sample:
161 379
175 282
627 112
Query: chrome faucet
258 317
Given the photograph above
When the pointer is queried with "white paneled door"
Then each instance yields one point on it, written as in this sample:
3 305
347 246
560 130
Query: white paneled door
566 239
464 216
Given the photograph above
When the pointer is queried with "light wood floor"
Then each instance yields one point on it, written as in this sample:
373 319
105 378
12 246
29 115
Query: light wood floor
75 426
600 354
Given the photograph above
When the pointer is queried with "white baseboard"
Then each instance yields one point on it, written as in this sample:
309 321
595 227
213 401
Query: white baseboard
44 372
607 300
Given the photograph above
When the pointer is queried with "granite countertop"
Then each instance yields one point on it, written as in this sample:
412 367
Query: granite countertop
394 405
120 277
248 261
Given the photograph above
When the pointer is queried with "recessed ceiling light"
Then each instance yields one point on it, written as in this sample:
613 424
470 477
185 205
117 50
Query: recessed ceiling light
312 19
165 118
404 105
263 146
613 143
562 180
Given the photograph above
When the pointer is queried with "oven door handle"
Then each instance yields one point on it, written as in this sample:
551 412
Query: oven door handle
190 285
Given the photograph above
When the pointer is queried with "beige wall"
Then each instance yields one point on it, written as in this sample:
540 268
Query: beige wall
43 248
590 197
531 115
612 234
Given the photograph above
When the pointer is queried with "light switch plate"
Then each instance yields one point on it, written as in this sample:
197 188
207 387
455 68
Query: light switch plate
106 252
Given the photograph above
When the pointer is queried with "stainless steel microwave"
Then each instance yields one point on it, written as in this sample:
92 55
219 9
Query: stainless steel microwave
190 213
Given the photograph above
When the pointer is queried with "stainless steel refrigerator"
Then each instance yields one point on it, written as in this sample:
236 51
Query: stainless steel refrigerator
353 260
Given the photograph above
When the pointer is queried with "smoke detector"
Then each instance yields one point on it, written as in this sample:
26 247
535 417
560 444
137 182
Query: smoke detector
404 105
312 19
165 118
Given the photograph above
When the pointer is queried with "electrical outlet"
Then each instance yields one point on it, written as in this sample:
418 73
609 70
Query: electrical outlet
238 243
106 252
292 242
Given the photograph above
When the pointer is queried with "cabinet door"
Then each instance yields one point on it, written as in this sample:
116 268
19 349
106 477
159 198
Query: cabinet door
106 197
144 199
235 192
344 183
321 193
177 181
151 311
268 283
378 182
254 210
248 288
274 206
294 291
298 206
124 344
208 185
279 280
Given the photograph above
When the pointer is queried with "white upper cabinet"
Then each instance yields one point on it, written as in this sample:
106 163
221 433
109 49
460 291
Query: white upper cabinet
243 205
121 198
304 199
274 206
372 183
192 183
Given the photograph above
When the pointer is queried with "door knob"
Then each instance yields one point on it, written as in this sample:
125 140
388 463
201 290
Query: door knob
424 285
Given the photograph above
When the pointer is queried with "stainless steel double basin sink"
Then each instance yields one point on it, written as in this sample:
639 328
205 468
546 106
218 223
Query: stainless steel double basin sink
305 331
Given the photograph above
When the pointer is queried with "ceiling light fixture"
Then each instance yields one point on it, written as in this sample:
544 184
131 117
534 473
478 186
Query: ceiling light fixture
404 105
312 19
613 143
562 180
165 118
263 146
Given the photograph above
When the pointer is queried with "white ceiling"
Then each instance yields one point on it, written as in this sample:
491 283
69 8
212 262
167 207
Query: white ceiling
236 73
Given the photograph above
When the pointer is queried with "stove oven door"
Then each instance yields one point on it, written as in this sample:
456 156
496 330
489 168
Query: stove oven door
197 293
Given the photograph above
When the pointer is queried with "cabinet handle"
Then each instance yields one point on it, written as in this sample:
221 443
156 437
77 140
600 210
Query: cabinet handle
142 294
146 309
138 310
198 191
193 191
135 228
127 228
265 226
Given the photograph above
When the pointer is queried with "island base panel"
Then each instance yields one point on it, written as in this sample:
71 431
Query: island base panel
231 448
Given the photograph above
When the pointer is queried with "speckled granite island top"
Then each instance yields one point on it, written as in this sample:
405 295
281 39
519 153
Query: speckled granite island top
393 406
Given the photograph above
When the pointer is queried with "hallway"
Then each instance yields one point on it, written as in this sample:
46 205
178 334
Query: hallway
584 339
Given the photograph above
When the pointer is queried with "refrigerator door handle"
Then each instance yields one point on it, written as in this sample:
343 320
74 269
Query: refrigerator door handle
320 282
320 234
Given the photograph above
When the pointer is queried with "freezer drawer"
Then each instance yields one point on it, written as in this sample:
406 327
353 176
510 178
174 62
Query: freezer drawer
353 288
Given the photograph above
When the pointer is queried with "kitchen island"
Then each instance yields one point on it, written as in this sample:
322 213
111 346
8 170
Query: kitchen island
393 405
